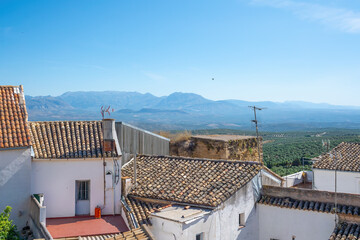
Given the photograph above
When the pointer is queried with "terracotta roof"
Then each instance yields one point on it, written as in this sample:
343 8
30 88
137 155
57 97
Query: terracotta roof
346 231
14 130
326 207
133 234
348 161
195 181
139 211
67 139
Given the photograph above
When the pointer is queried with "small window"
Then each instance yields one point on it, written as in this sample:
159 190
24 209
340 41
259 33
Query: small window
83 193
199 236
241 220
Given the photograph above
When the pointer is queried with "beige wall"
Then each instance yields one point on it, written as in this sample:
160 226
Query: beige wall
241 149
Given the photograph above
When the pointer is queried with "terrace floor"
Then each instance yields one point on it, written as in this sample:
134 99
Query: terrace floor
85 226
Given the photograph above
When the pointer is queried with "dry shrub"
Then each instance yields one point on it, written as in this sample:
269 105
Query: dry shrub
176 137
165 134
181 136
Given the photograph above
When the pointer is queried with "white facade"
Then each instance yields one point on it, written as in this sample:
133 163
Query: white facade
15 177
347 182
286 224
56 179
221 223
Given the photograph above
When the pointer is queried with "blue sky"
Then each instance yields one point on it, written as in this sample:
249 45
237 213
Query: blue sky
258 50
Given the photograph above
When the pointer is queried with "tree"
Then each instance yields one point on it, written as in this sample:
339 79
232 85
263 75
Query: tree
8 230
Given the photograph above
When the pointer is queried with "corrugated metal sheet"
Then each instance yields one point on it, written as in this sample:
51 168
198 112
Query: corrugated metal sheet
145 142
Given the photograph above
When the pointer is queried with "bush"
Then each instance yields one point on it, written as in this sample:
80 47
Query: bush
8 230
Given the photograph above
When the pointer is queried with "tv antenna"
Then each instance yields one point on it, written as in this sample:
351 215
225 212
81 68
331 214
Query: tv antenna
254 108
104 110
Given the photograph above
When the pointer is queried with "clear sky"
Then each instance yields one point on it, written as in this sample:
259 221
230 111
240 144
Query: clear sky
274 50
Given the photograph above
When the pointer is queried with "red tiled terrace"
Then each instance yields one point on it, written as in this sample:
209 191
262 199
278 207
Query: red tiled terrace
85 226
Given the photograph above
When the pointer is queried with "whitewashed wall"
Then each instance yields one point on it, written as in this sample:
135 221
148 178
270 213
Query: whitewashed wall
15 168
269 179
284 223
347 182
56 180
222 223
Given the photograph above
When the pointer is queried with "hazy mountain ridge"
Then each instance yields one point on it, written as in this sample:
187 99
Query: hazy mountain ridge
189 110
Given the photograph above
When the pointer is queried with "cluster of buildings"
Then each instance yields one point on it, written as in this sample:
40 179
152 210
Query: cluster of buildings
110 180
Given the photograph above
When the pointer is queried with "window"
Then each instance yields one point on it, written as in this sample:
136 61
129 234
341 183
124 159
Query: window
199 236
241 220
83 192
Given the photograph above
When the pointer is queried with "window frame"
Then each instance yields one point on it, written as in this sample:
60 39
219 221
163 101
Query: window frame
241 220
200 235
84 190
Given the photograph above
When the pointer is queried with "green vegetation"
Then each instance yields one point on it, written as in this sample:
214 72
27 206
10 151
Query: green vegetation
283 152
8 230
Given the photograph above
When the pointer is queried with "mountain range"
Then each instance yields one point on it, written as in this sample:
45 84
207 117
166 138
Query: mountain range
190 111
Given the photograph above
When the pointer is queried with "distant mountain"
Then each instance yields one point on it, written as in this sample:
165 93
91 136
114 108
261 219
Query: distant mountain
189 110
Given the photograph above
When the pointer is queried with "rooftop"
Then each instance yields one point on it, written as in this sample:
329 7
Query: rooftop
181 214
346 231
67 139
224 138
325 207
14 130
195 181
85 226
348 158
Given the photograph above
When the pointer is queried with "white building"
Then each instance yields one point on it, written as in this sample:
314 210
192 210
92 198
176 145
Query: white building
68 167
296 214
15 163
345 159
189 198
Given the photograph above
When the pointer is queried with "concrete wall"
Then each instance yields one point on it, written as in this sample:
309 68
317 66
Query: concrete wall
15 169
347 182
222 223
269 179
56 180
283 224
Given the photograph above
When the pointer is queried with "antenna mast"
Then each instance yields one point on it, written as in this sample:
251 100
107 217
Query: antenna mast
254 108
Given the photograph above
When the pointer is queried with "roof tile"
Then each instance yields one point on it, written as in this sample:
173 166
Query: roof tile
189 180
14 130
348 155
67 139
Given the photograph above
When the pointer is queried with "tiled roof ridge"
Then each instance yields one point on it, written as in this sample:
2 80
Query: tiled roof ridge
318 206
346 230
55 121
201 159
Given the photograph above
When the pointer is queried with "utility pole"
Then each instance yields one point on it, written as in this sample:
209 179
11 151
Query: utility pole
254 108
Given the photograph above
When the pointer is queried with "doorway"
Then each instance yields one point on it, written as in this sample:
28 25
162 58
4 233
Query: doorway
82 198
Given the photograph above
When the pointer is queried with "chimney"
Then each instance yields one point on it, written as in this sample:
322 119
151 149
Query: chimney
126 185
110 137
